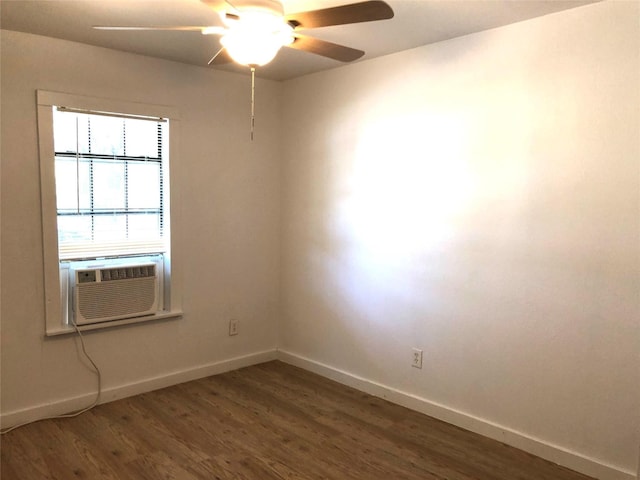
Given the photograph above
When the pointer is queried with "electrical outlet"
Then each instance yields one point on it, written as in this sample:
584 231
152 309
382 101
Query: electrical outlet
233 327
416 360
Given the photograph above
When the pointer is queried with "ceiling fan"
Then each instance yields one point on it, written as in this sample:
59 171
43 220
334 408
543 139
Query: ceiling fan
255 30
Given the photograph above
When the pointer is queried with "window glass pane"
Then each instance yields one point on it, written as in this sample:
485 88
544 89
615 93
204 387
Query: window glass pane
83 133
144 226
144 185
108 185
64 133
67 174
141 138
74 228
109 227
66 184
106 135
70 132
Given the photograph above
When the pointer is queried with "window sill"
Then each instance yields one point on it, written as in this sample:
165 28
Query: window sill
67 329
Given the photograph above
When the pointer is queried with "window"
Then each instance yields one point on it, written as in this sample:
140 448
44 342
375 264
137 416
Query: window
109 184
106 201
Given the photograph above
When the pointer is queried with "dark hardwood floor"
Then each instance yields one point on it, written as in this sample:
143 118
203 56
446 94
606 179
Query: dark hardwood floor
269 421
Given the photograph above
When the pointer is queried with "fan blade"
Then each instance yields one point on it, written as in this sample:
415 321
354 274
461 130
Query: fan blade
220 58
155 27
326 49
354 13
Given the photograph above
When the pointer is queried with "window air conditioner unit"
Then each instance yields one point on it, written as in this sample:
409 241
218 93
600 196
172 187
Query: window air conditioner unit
114 292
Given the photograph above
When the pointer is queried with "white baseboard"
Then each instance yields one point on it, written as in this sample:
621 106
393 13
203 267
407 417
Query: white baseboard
71 404
537 447
540 448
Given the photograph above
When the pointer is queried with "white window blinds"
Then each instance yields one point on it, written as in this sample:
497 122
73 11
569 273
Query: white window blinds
110 189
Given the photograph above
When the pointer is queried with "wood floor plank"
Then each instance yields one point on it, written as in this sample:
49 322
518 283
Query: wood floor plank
267 422
26 458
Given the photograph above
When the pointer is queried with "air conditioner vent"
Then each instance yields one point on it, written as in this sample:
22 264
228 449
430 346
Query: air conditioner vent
111 300
123 273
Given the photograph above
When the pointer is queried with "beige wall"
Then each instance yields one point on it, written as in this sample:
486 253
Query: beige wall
229 222
478 199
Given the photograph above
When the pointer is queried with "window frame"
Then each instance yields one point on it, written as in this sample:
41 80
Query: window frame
56 295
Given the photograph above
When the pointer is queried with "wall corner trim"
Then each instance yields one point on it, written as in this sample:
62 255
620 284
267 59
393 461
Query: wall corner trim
540 448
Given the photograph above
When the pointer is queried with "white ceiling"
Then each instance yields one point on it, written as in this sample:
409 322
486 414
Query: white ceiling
416 23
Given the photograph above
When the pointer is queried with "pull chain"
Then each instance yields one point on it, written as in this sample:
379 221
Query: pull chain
253 100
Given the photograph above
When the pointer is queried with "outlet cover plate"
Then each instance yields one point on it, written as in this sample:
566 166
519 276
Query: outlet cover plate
233 327
416 358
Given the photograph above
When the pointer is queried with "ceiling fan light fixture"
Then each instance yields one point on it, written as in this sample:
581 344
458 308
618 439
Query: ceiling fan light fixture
251 51
257 37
